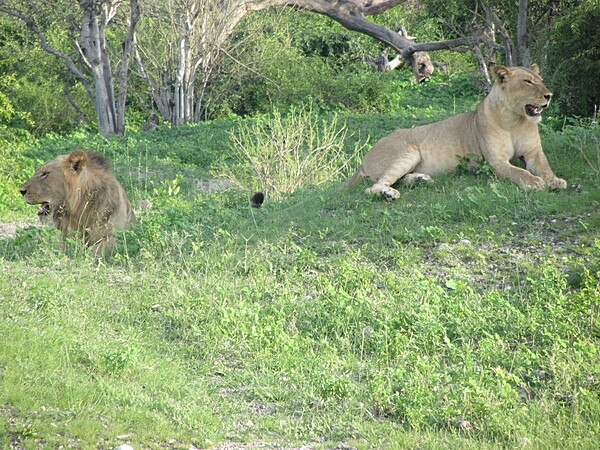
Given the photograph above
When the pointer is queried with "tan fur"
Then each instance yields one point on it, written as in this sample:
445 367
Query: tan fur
502 128
81 195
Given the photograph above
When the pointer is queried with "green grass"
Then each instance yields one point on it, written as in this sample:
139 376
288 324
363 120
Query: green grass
326 317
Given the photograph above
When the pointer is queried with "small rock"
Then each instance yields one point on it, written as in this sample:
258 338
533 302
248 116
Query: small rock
124 447
464 426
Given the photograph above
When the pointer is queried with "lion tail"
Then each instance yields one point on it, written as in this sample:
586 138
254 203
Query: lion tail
354 180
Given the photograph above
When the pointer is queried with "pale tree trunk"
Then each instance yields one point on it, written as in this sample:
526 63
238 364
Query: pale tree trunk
481 63
92 48
126 54
184 79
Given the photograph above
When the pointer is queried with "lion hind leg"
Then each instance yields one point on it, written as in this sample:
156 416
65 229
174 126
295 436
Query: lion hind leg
383 190
402 168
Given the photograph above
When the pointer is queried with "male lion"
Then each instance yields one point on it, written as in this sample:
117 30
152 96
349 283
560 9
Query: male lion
502 128
81 195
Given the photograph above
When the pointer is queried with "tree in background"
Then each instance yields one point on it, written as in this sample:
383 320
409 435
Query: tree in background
88 61
182 41
517 33
180 45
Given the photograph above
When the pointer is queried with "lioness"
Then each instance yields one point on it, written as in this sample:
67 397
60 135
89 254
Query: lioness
502 128
80 193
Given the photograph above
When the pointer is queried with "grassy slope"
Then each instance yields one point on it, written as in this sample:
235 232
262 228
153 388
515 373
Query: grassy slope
328 317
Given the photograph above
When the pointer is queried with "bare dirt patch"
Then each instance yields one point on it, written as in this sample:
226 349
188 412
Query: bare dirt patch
9 229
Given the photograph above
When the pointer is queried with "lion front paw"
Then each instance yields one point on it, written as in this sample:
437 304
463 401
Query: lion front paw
535 183
557 183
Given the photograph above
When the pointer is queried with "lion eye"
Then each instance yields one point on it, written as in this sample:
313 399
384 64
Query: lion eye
529 82
43 174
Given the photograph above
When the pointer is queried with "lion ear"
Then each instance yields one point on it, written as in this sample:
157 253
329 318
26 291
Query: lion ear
534 68
501 73
77 160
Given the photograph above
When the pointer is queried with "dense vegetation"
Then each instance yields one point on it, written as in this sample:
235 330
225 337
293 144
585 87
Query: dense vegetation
466 314
282 56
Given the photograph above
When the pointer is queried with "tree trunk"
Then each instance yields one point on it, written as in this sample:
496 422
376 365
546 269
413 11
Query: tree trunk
128 46
522 35
507 44
481 63
93 50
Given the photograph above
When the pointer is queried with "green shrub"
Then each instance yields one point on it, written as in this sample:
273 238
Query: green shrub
573 60
15 167
280 154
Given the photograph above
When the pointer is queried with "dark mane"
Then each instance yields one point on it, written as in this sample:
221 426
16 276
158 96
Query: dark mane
100 161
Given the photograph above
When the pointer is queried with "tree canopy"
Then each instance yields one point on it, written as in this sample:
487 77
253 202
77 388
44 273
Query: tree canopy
178 55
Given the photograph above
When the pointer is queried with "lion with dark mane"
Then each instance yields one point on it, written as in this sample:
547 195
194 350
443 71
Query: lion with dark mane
82 197
504 127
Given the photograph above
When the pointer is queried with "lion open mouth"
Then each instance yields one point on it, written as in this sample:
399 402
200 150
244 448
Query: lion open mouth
44 209
534 111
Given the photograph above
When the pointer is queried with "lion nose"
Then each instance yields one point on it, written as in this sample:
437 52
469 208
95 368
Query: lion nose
548 96
23 191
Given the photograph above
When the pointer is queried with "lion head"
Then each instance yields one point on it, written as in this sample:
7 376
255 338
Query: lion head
523 91
80 193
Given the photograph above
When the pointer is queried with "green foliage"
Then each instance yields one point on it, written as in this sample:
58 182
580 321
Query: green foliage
474 164
289 64
36 81
15 166
280 154
574 60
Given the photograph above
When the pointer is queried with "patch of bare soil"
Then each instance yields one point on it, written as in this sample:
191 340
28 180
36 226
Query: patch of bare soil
9 229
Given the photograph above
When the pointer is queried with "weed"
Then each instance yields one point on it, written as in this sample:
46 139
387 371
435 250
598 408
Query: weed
474 164
281 154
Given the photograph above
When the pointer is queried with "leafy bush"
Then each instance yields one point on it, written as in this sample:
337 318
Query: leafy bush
573 60
15 167
281 154
36 81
